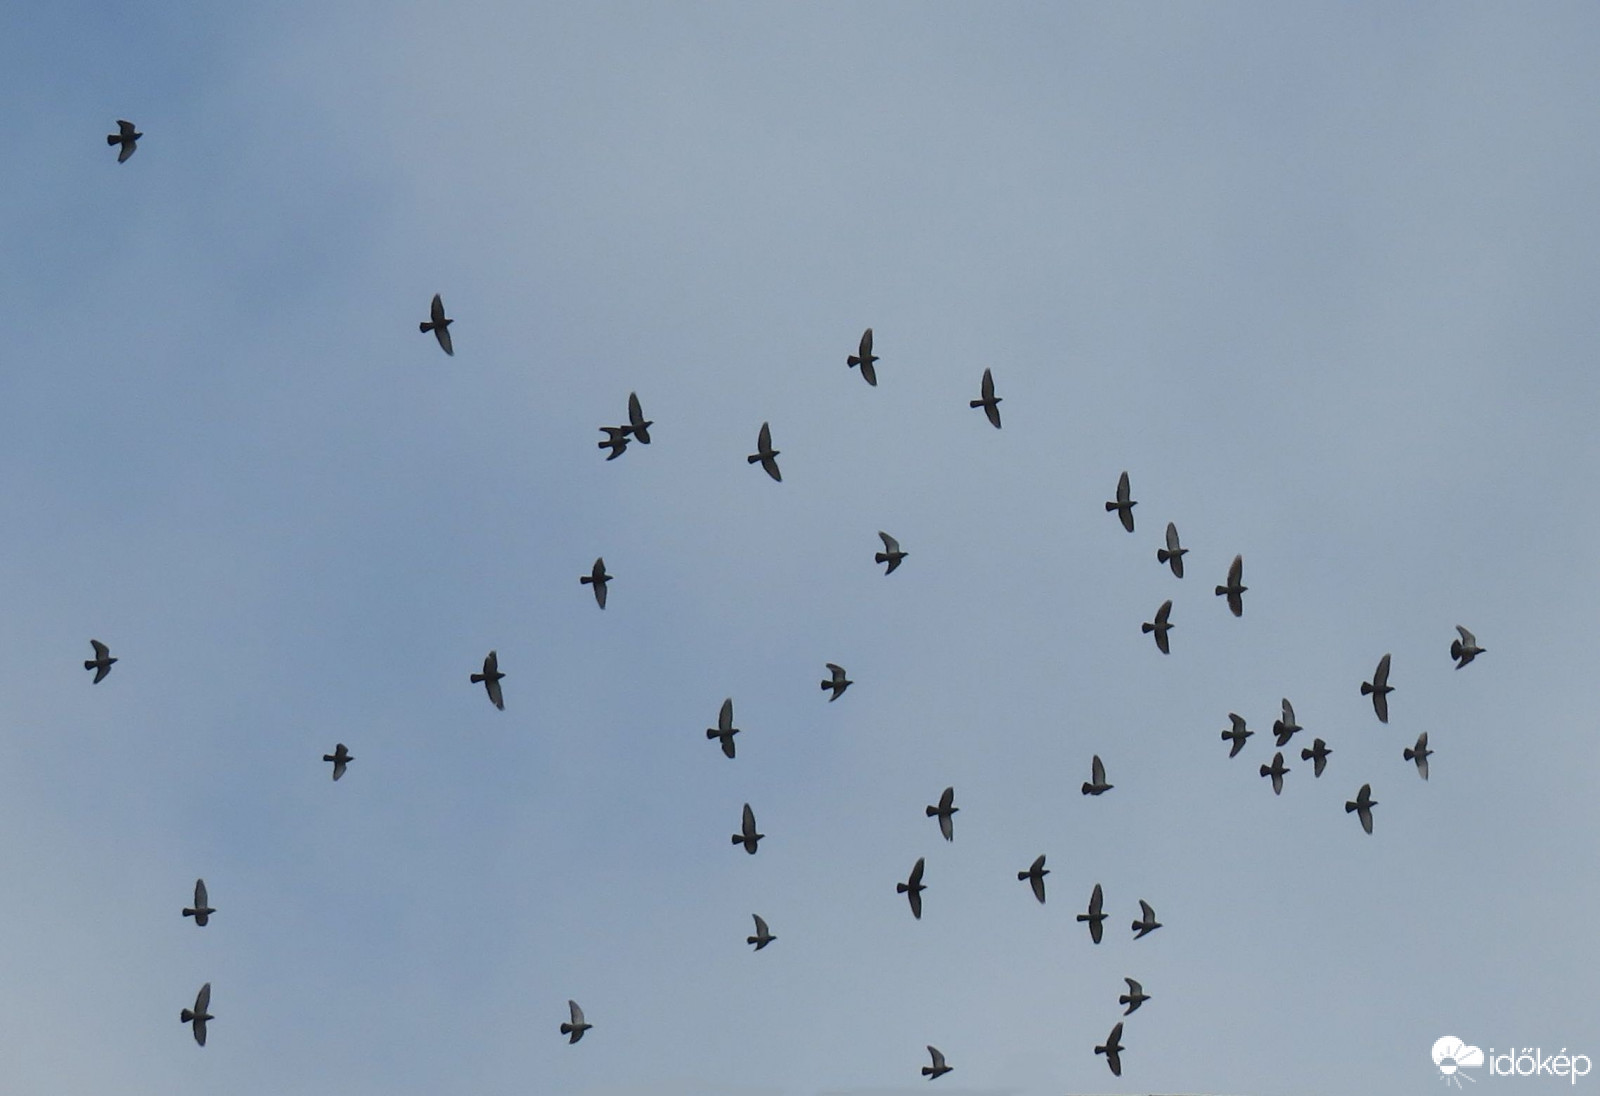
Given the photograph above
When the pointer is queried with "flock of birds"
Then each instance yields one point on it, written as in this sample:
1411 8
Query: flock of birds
1463 650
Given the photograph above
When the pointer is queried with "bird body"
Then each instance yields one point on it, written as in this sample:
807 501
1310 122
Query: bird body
1234 590
1420 754
864 357
747 835
1097 778
127 137
100 663
724 730
763 935
616 440
944 812
1161 626
597 578
638 425
439 324
837 682
1172 555
197 1016
491 680
1124 504
1236 734
1112 1048
1147 922
912 888
938 1069
1035 877
1276 771
1135 996
1379 689
765 454
990 402
1286 727
1465 649
1096 915
1318 753
577 1025
341 757
1362 804
201 911
891 554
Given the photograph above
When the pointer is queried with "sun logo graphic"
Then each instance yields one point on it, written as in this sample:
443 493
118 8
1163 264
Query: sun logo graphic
1451 1055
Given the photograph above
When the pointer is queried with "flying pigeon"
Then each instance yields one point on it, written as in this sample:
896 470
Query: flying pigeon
864 357
1135 996
577 1026
946 808
1420 754
724 729
1362 805
198 1015
1097 778
912 888
127 138
1276 771
1161 626
1286 727
340 757
938 1069
616 440
202 910
439 324
1319 753
1466 648
891 554
1124 505
1234 590
766 454
1236 734
1035 877
638 425
763 936
1113 1049
837 682
1147 922
1380 689
598 579
101 663
1173 553
990 402
1095 917
491 679
747 835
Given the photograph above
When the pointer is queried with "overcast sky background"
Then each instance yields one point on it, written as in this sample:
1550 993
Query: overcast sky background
1321 278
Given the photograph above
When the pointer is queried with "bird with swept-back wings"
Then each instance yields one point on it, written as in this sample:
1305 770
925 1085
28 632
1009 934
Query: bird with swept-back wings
1362 805
201 911
638 425
763 935
1276 771
1172 555
1097 778
1466 648
1161 626
491 679
1234 590
912 888
1035 877
836 681
1286 728
196 1017
439 324
1096 915
576 1025
938 1069
597 578
127 137
891 554
1420 754
1237 734
747 835
341 758
1124 504
944 812
1112 1049
765 454
990 402
1135 996
1379 689
1147 922
724 730
864 357
100 663
1318 753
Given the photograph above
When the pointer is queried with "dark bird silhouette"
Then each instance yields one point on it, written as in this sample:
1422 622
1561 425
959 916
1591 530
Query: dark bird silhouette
1097 778
1466 648
638 425
1319 753
747 835
439 324
197 1016
1035 877
1096 915
1362 805
341 758
1161 626
577 1025
725 730
1236 734
1420 754
938 1069
201 911
1147 922
912 888
864 357
990 402
100 663
765 454
944 812
491 679
1379 689
837 681
1113 1049
891 554
598 579
1286 727
763 935
616 440
1124 505
1276 771
1234 590
125 136
1135 996
1173 553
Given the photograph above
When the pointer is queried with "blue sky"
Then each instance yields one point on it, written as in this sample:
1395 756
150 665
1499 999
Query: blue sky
1319 277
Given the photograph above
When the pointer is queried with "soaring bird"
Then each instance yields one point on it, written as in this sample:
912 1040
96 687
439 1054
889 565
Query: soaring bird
891 554
1379 688
1319 753
938 1069
598 579
1466 648
638 425
125 136
616 440
1286 727
1362 804
202 911
1113 1049
763 935
1420 754
747 835
1035 877
577 1025
1097 778
1236 734
1096 917
1173 553
1135 996
1276 771
990 402
765 454
1147 922
1234 590
1124 505
341 757
198 1015
943 812
1161 626
439 324
864 357
100 663
912 888
491 679
724 729
837 681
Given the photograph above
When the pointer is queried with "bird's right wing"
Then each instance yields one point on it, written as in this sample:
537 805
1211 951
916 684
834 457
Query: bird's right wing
890 545
725 716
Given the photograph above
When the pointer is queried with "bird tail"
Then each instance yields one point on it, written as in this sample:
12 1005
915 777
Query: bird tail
186 1016
1088 789
1410 753
900 888
753 458
1349 808
1147 628
931 811
477 679
1455 648
187 912
566 1029
88 665
113 138
425 327
880 558
1366 688
738 839
852 360
1162 555
585 579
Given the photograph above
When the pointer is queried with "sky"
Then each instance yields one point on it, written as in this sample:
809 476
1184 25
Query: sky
1318 276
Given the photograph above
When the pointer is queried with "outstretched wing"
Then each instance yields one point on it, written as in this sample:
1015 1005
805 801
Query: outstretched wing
890 545
577 1013
764 439
201 900
100 649
496 697
1097 771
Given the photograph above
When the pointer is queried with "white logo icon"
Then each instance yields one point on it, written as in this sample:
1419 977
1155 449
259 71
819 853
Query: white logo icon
1451 1055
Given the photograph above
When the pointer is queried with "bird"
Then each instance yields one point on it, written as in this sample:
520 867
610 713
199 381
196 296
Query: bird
946 808
100 663
1362 804
1124 505
127 137
765 454
198 1015
1097 778
439 324
763 936
990 402
341 757
491 679
1113 1049
864 357
1466 648
1173 553
1161 626
598 579
837 682
1379 688
938 1069
1035 877
202 911
912 888
1236 734
1147 922
724 729
1276 771
1286 727
747 835
1319 753
1234 590
616 440
891 554
1420 754
1095 917
577 1025
1135 996
638 425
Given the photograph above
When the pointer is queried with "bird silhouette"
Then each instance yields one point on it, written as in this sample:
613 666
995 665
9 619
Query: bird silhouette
891 554
1035 877
439 324
1096 916
864 358
1124 505
944 812
491 679
725 730
638 425
1173 553
747 835
616 440
763 935
1234 590
1112 1049
341 758
912 888
197 1016
837 681
1276 771
1379 689
1466 648
1097 778
765 454
990 402
201 911
100 663
1236 734
127 137
1286 727
577 1025
1135 996
1319 753
1362 805
1161 626
598 579
1147 922
938 1069
1420 754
